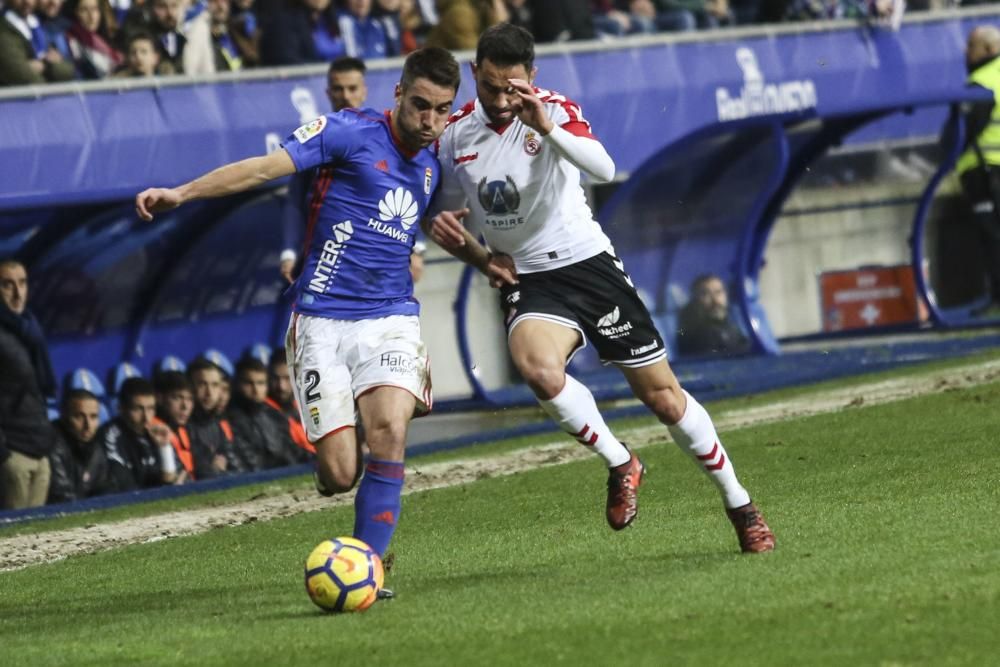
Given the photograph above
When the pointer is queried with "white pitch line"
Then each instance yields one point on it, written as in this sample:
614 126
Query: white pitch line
25 550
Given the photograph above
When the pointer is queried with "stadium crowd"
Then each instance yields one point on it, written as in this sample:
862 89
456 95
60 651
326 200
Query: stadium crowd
62 40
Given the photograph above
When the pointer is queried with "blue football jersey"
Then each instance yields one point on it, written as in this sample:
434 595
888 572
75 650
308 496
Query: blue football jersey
368 198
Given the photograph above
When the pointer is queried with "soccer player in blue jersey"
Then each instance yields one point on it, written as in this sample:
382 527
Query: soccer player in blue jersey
354 338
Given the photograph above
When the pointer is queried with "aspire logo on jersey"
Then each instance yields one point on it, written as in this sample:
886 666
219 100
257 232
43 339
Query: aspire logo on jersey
400 205
501 199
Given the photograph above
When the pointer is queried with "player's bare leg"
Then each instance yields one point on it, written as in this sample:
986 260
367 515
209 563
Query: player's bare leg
338 461
539 349
692 429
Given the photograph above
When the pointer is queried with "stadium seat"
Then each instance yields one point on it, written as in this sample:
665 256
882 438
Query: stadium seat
220 360
259 351
84 378
170 363
120 373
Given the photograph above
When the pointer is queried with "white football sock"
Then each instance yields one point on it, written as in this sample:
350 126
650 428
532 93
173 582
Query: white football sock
575 410
695 434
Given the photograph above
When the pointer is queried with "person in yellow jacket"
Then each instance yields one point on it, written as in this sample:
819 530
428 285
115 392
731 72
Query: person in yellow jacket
979 165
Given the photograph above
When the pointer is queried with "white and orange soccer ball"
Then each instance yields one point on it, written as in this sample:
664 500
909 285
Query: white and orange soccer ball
343 574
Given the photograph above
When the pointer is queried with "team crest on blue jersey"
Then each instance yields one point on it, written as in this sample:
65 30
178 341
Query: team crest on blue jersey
428 179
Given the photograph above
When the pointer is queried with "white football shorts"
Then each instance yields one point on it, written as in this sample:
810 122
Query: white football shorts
333 362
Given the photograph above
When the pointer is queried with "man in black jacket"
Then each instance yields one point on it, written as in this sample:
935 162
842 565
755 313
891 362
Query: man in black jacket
26 436
211 435
703 326
261 432
138 448
79 466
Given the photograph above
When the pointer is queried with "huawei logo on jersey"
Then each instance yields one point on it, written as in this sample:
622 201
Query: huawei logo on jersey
398 203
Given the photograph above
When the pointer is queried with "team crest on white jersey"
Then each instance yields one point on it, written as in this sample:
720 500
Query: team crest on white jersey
310 129
532 146
398 203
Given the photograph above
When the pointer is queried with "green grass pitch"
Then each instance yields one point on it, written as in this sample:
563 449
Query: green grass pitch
888 554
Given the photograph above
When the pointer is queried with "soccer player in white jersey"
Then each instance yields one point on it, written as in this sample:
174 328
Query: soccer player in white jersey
354 338
513 156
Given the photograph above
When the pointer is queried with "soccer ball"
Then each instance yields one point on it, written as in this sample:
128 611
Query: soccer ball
343 574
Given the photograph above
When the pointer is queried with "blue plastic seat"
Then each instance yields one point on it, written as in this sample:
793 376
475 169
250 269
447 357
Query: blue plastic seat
120 373
84 378
170 363
259 351
220 360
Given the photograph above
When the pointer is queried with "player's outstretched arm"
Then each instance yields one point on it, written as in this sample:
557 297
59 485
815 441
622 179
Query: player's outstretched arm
447 230
226 180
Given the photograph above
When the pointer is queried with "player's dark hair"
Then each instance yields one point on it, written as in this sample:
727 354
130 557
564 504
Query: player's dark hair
249 365
133 388
432 63
76 395
506 45
347 64
171 381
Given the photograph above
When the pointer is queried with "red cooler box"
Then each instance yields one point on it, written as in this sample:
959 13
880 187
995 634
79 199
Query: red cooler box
869 297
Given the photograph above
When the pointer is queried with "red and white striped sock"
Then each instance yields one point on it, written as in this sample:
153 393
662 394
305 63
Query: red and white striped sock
575 410
695 434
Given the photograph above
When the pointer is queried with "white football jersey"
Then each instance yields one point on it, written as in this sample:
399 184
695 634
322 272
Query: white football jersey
523 196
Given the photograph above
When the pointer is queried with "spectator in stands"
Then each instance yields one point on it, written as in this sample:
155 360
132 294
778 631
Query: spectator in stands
363 36
979 165
55 26
387 14
25 54
90 43
406 20
680 15
142 58
261 432
562 20
345 88
612 19
211 435
137 448
185 47
245 32
460 22
79 466
287 38
224 47
703 326
26 380
281 397
519 13
174 403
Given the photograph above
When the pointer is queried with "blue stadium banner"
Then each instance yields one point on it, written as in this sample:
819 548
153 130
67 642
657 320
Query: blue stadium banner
106 145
